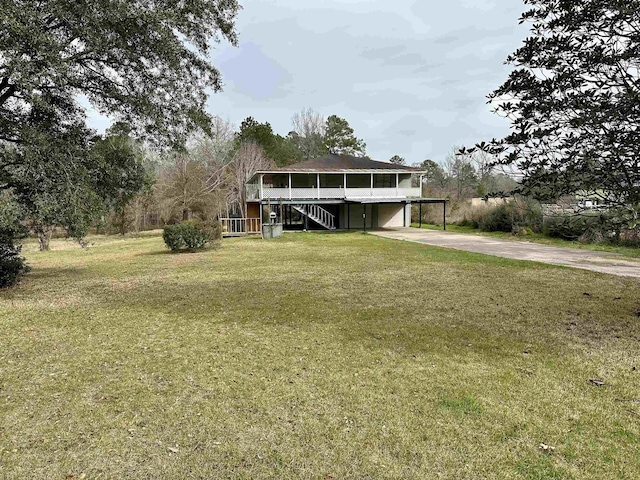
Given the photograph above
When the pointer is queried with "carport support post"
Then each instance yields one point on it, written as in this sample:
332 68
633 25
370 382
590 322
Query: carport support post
444 215
420 221
364 214
348 217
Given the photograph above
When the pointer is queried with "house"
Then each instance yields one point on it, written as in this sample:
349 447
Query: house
334 192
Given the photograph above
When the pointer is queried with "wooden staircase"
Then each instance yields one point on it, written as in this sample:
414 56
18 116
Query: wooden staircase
317 214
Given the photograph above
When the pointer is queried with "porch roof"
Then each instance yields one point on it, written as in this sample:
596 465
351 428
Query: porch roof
395 200
334 201
341 164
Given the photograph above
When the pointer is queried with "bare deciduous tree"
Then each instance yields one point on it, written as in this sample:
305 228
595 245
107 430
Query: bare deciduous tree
249 159
308 122
183 185
309 128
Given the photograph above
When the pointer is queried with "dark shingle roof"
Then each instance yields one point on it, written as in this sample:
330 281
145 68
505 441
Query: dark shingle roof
339 163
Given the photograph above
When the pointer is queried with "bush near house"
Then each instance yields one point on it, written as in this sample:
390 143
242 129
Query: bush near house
192 234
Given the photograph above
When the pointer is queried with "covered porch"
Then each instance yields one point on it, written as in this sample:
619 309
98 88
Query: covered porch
322 186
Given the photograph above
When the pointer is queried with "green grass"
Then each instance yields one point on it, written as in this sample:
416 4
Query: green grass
315 356
540 238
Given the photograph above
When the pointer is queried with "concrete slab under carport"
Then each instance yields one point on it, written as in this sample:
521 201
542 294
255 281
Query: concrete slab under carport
567 257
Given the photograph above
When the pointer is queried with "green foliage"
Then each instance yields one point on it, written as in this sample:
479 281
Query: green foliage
340 138
472 222
573 227
573 99
308 147
124 174
192 234
11 216
503 218
213 228
434 176
158 50
172 236
512 217
277 148
64 175
463 175
12 265
397 160
144 63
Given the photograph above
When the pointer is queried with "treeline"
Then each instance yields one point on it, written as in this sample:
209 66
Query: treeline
76 181
125 184
463 176
208 178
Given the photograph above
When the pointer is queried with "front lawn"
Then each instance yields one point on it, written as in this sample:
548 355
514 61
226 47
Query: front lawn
321 356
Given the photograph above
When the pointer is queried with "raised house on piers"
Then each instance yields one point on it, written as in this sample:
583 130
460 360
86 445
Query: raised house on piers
335 192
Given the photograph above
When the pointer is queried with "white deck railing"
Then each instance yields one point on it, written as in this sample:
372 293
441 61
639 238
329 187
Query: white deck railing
239 226
269 193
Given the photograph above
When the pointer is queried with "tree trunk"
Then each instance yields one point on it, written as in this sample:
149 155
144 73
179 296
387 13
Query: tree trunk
44 238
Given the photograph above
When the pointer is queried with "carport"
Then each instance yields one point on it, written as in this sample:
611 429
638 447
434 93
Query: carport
442 201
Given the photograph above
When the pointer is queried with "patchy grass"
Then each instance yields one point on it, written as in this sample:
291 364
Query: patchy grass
540 238
315 356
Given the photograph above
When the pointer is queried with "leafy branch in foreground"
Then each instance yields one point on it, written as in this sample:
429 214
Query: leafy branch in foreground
573 101
143 62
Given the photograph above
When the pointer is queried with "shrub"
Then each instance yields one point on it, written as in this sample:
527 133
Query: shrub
573 227
531 215
213 228
503 218
512 217
629 238
468 222
192 234
172 236
12 265
195 234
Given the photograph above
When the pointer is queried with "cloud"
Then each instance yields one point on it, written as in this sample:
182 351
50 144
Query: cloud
410 76
253 73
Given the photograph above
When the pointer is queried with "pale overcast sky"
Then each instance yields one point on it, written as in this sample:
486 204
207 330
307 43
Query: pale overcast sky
411 77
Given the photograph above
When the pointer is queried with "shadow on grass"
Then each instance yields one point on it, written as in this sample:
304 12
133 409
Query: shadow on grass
52 273
174 252
156 253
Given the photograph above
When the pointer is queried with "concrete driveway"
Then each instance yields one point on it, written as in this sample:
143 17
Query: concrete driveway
567 257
